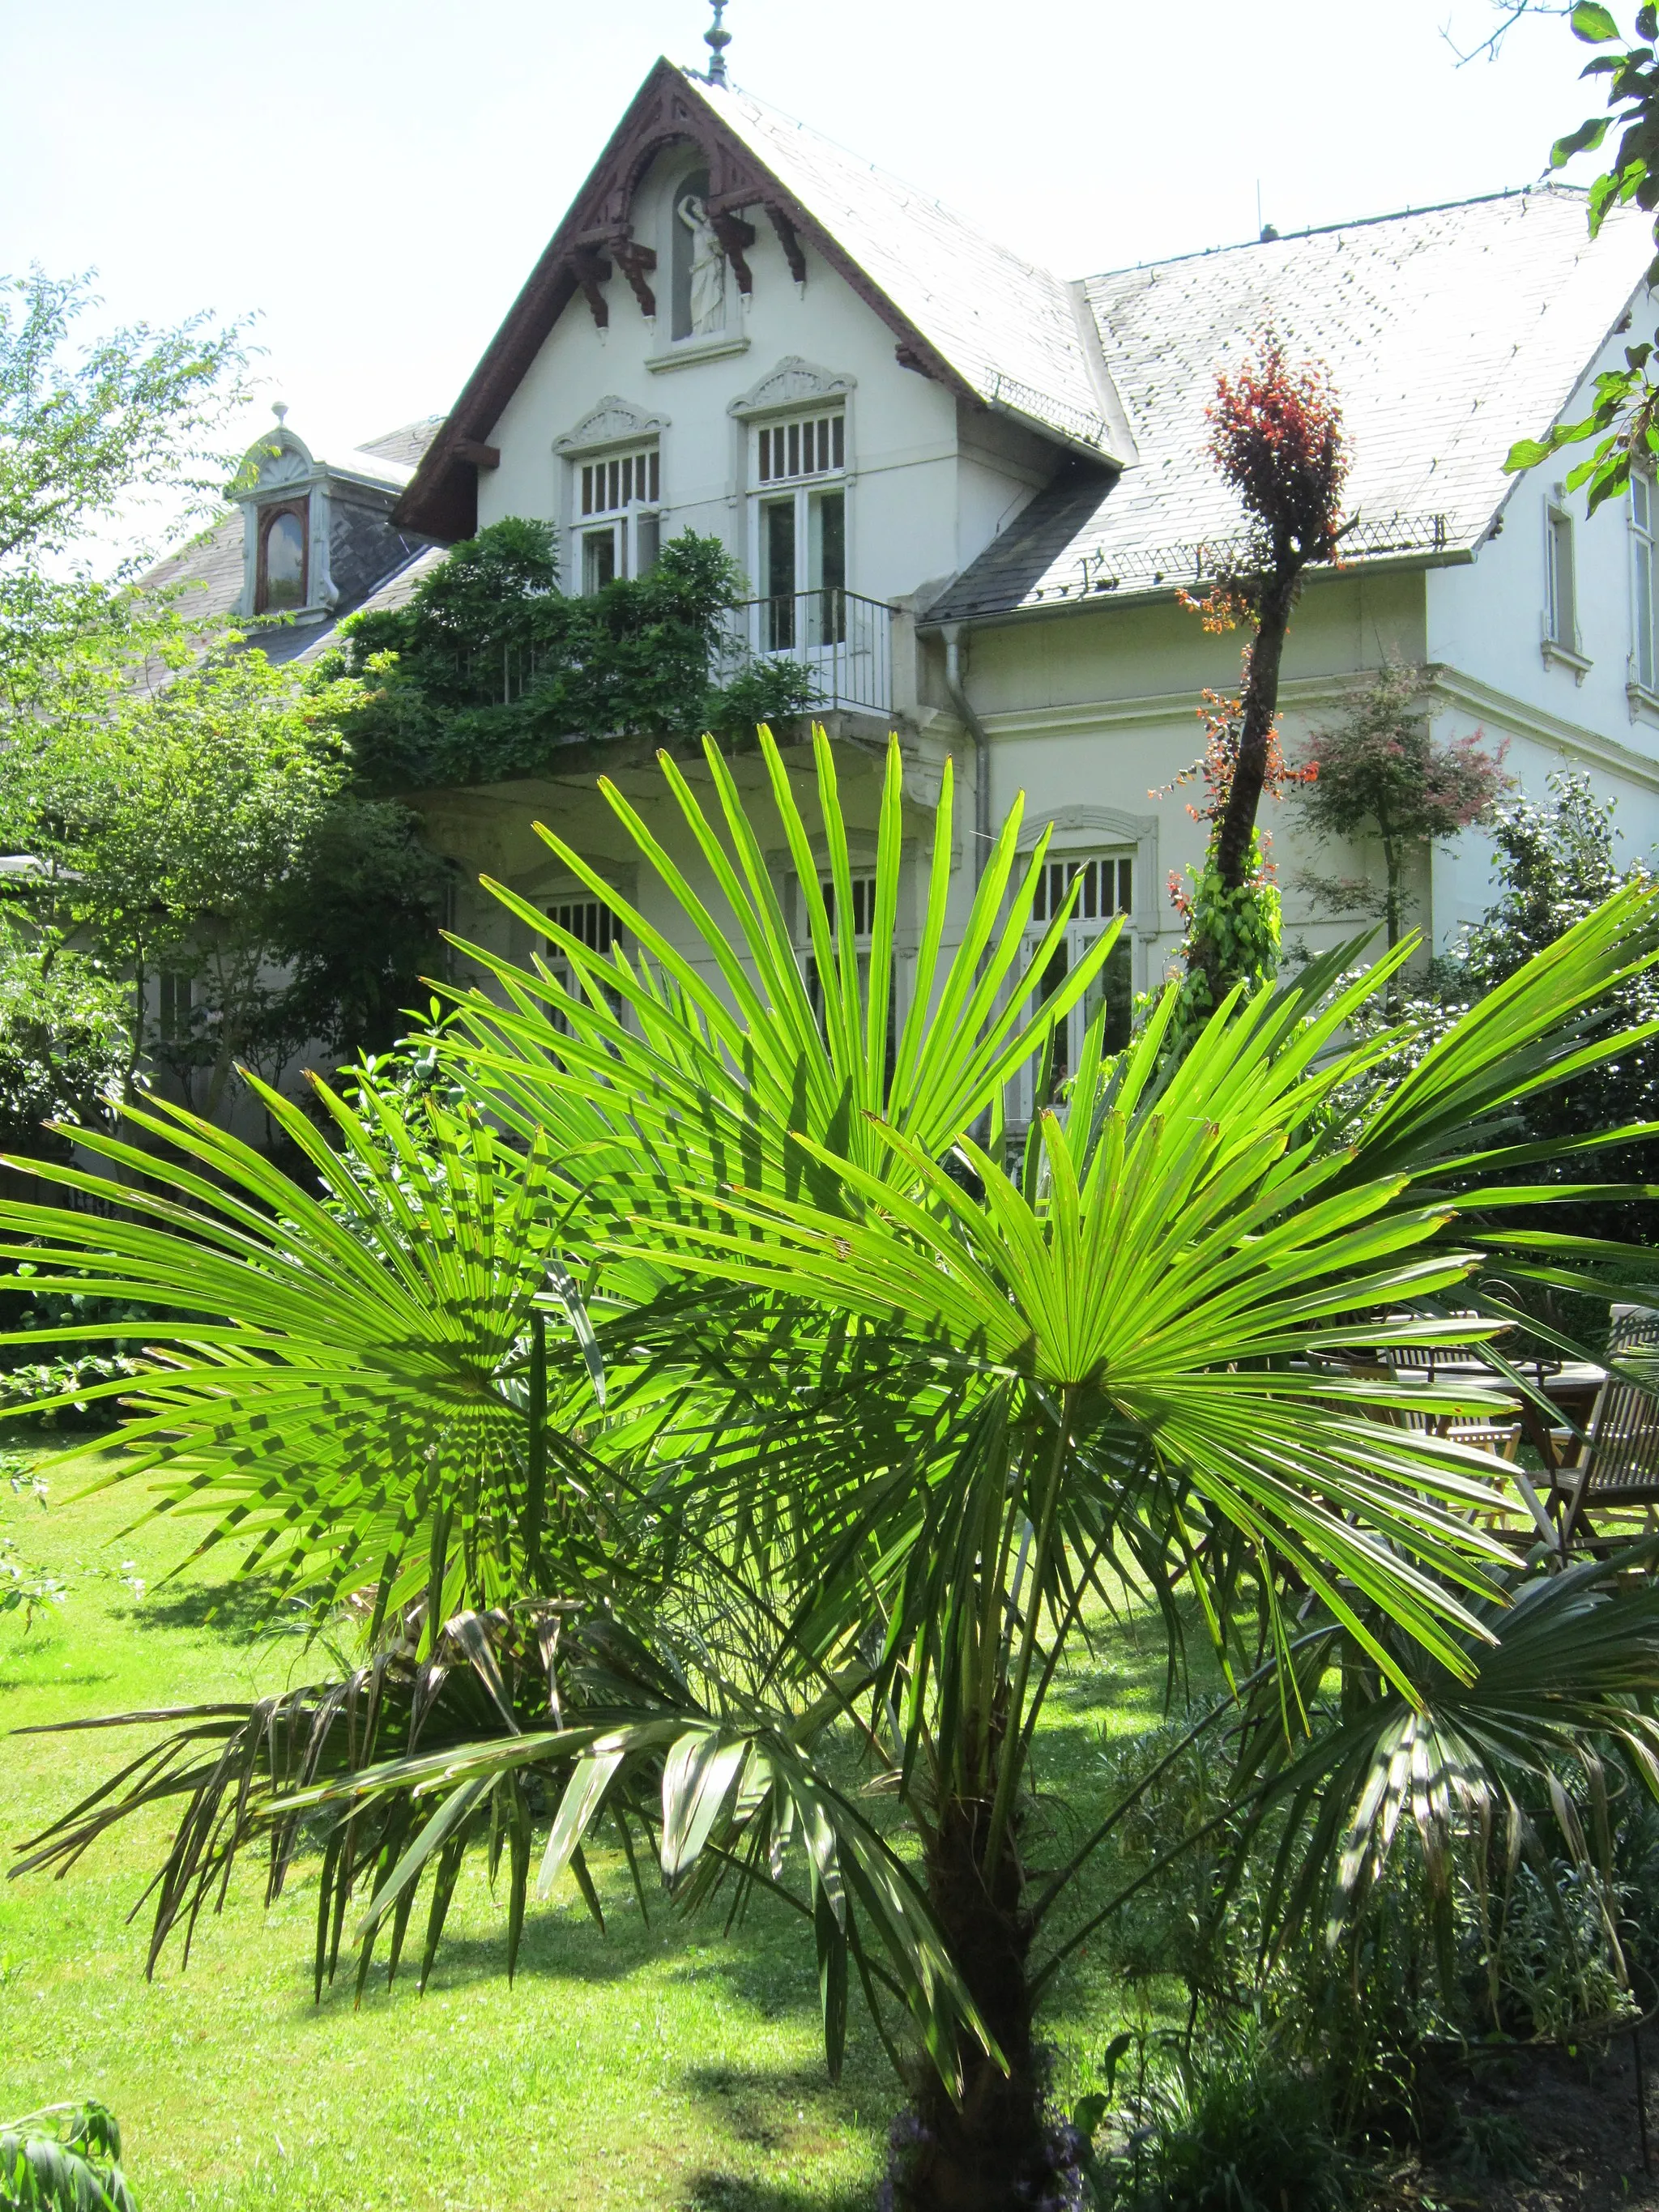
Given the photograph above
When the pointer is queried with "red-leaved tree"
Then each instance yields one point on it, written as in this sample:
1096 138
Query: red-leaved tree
1276 435
1380 772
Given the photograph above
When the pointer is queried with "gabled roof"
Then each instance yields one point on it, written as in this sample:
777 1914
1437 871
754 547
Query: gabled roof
1012 331
1449 333
963 309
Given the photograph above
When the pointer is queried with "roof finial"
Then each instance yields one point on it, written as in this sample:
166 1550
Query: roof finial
279 408
717 39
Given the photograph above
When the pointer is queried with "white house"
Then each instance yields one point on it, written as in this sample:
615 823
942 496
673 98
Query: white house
968 491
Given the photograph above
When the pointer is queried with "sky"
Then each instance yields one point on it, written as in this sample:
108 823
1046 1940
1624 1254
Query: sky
373 179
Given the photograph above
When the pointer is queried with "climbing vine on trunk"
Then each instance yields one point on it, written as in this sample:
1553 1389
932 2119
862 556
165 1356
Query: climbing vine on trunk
1276 435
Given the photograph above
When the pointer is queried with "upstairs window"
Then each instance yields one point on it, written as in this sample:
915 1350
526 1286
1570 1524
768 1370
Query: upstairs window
801 531
281 584
1561 609
618 519
1643 626
811 448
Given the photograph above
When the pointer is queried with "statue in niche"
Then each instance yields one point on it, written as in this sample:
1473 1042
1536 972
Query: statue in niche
708 275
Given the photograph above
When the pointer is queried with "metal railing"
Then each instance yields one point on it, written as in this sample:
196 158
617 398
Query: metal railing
843 641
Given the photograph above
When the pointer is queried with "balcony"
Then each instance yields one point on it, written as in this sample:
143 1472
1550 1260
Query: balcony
844 643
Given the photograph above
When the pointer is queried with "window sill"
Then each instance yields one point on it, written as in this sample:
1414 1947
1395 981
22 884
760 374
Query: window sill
1567 657
686 351
1644 704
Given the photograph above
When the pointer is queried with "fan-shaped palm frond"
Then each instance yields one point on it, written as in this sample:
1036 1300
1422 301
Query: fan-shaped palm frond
1563 1678
343 1381
886 1417
702 1058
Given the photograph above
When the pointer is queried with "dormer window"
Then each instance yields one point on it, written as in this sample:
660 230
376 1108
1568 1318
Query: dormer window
284 562
617 520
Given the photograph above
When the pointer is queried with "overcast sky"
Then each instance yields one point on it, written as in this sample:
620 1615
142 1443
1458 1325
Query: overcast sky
375 178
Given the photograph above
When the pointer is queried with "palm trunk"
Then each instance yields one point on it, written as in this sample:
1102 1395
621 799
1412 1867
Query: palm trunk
989 2154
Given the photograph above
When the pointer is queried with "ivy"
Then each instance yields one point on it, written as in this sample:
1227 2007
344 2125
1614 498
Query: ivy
490 670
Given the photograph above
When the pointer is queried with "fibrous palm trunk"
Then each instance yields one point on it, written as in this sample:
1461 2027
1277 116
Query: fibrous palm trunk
989 2154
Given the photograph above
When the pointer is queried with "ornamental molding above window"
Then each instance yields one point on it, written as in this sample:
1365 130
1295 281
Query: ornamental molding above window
1077 826
793 383
612 422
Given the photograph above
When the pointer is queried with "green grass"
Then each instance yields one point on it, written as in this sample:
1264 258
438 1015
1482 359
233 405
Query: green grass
660 2066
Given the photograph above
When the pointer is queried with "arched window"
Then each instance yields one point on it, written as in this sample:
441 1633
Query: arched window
281 580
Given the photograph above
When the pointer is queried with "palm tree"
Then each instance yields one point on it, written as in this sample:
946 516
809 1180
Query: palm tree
743 1449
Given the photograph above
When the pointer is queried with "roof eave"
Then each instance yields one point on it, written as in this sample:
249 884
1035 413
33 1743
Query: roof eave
1145 595
441 499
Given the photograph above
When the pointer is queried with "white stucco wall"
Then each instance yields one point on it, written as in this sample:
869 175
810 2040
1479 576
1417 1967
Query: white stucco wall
911 516
1487 621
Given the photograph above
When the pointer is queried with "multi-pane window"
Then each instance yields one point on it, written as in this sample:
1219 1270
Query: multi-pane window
1643 578
862 889
1105 888
1561 613
801 531
1109 887
592 923
174 1001
618 520
811 448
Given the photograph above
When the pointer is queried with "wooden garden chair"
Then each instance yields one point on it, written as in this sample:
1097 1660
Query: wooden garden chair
1618 1468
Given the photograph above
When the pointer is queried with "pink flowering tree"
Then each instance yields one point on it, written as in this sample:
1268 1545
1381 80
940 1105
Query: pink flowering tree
1380 772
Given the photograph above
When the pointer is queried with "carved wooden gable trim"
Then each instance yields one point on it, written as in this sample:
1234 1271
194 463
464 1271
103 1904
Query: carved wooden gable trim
793 383
594 243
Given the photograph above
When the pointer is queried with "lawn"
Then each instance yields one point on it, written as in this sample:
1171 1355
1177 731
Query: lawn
661 2066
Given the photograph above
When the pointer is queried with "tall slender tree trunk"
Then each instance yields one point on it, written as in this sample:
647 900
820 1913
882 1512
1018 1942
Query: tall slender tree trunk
1232 844
1394 869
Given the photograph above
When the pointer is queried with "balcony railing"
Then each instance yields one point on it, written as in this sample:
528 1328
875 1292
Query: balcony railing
844 643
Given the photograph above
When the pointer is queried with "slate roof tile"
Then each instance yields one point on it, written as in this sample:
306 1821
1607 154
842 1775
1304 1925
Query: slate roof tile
1449 333
1009 329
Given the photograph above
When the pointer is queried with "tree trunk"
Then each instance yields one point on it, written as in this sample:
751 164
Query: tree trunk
1394 867
989 2154
1260 705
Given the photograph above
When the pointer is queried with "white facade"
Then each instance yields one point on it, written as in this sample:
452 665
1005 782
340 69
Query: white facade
1013 531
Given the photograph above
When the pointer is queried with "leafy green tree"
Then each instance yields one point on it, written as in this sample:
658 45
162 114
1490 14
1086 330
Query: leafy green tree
64 1026
1380 771
88 441
1555 862
1624 422
171 824
730 1453
65 2159
489 667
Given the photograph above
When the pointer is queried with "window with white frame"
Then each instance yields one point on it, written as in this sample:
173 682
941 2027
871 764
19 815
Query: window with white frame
1643 626
1105 889
618 520
591 922
1561 608
862 887
176 999
800 531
